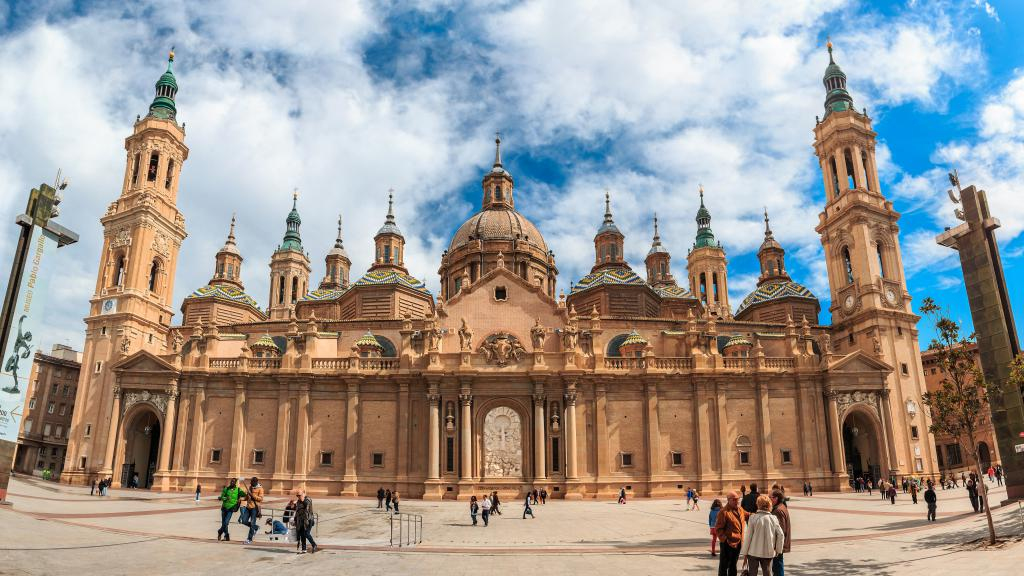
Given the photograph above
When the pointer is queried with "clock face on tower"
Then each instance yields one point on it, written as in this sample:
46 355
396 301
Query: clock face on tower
848 303
890 295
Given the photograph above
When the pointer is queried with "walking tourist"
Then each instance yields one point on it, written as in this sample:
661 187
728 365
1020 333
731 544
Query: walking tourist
380 497
199 491
858 485
764 539
536 496
689 498
229 502
781 511
543 496
999 475
749 503
906 486
92 490
913 492
289 511
622 495
304 522
474 509
394 501
712 517
870 484
387 500
991 474
931 500
892 494
810 489
485 509
729 528
252 504
526 506
972 493
495 503
696 500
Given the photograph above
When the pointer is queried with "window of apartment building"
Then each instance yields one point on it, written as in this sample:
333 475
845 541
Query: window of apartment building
914 433
53 389
215 456
626 458
53 451
32 403
50 407
378 460
28 426
60 432
677 458
258 456
63 409
46 430
787 456
67 390
326 458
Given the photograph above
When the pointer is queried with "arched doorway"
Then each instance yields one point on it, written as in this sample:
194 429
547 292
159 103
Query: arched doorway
503 444
861 445
984 456
141 447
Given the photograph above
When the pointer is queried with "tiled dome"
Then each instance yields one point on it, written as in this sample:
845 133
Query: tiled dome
386 277
323 294
677 292
608 276
498 225
224 292
775 291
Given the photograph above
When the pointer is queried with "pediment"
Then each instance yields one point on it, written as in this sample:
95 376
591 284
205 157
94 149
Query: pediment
501 276
143 361
859 361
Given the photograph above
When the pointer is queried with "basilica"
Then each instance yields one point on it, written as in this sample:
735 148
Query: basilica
653 381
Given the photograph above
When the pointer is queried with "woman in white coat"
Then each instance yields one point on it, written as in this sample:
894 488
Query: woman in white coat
764 538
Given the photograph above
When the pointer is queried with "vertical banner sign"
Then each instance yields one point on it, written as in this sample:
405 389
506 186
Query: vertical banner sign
16 362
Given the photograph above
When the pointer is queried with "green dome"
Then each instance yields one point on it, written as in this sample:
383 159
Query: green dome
266 342
292 240
368 339
705 236
837 99
166 89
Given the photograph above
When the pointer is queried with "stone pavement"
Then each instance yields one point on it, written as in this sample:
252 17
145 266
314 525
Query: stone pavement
54 529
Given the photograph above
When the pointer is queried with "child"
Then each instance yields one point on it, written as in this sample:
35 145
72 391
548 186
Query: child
712 518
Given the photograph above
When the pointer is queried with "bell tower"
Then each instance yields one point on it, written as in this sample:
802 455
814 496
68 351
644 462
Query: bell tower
707 267
870 304
130 309
289 268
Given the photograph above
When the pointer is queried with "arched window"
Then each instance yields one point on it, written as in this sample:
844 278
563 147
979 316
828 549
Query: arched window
835 176
847 265
664 272
295 289
864 163
615 251
119 271
280 290
170 173
387 253
231 270
851 179
704 287
881 259
714 286
613 346
497 193
135 168
154 272
220 269
154 160
472 271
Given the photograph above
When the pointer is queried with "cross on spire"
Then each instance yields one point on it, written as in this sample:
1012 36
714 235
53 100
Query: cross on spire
497 148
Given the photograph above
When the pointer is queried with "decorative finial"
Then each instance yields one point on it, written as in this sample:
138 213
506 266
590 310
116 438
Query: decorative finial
656 236
391 204
231 230
338 242
700 188
607 207
295 198
767 228
170 56
497 148
828 43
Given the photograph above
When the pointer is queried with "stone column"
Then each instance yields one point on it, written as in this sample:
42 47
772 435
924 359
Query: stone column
434 438
302 435
115 420
181 435
654 456
403 432
198 430
726 444
601 428
702 434
570 432
767 446
238 430
843 175
835 434
167 438
284 405
887 432
351 440
540 470
859 169
466 429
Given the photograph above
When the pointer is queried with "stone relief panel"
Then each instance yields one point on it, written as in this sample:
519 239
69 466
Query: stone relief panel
845 400
503 444
159 401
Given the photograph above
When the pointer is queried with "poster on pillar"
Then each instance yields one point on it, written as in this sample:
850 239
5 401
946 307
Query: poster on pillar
23 338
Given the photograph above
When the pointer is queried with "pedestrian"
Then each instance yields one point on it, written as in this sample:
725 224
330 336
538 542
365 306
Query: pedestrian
749 503
999 475
536 497
905 485
689 498
696 500
781 511
199 491
622 495
870 484
991 474
495 503
804 486
858 485
712 517
276 527
253 499
526 507
764 539
931 500
729 528
394 501
229 502
913 492
972 493
892 494
289 511
474 508
543 496
485 509
92 490
305 519
387 500
380 497
810 489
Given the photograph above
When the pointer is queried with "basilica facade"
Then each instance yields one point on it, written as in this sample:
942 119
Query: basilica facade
653 381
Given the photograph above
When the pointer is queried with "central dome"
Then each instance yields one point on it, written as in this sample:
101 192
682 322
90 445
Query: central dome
497 225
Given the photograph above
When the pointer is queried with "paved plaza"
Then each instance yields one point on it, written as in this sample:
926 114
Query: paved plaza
53 529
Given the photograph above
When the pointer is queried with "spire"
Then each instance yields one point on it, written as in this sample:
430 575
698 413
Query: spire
497 150
656 246
166 88
609 224
705 236
229 244
767 225
292 239
339 245
771 255
390 227
837 99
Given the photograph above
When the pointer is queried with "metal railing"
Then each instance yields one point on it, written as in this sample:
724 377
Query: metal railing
278 514
409 529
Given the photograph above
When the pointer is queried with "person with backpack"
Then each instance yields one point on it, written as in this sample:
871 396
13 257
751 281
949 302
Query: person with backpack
526 506
252 504
229 498
304 522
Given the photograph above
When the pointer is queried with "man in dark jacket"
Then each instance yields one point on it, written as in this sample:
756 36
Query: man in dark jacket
931 500
781 511
380 497
749 503
729 527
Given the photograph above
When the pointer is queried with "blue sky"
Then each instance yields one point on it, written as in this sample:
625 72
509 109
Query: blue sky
346 101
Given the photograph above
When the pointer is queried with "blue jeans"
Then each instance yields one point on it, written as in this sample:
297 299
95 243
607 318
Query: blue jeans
225 521
253 521
777 568
305 535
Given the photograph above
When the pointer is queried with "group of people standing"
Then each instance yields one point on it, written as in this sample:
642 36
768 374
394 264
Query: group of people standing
248 502
756 529
387 499
100 487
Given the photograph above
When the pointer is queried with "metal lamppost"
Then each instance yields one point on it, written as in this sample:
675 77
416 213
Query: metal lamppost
24 301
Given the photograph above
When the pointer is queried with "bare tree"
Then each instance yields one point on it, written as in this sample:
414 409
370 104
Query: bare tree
960 407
